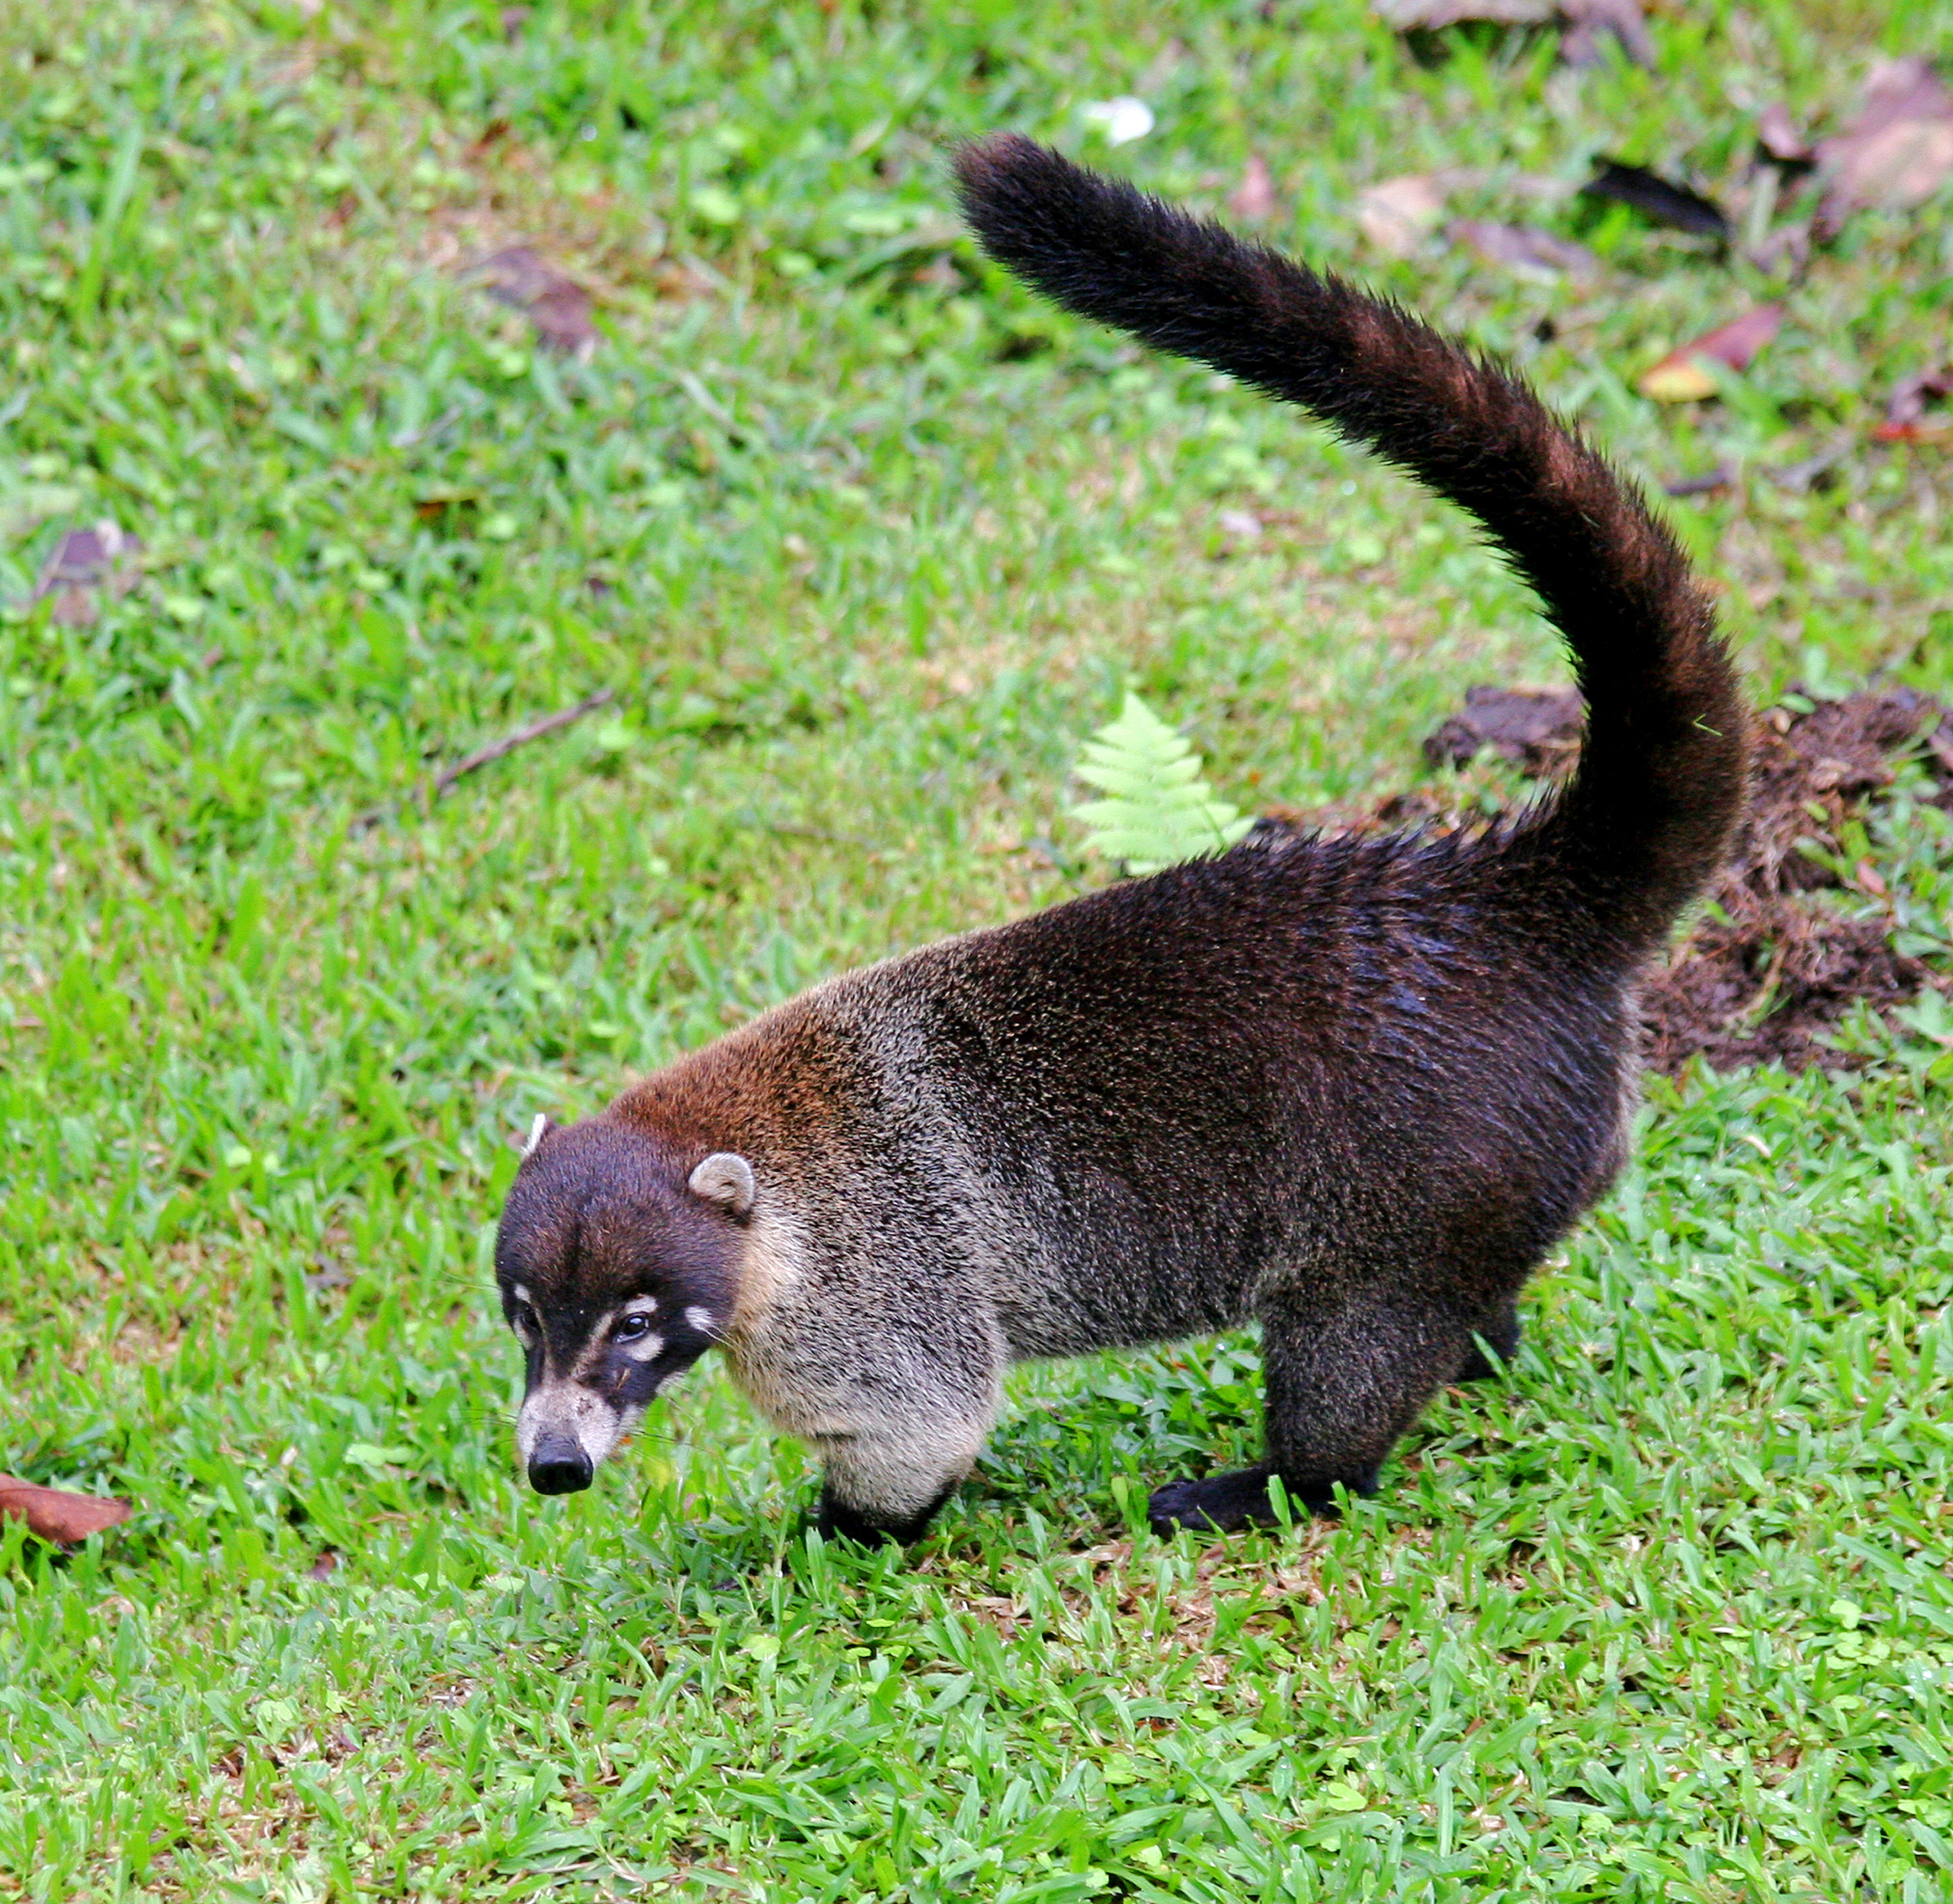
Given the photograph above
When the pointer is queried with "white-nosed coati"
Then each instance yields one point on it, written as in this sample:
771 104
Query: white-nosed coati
1350 1089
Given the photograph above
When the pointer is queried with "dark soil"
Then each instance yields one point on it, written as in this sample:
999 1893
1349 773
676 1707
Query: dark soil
1773 975
1774 963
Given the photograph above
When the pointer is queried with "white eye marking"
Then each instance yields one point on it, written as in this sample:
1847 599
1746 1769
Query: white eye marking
589 1359
699 1319
536 1129
641 1305
645 1348
524 1314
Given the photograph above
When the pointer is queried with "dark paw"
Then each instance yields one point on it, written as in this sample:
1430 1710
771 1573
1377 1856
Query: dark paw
1224 1504
1220 1504
836 1520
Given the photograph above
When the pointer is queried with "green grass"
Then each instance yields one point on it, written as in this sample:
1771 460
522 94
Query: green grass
866 543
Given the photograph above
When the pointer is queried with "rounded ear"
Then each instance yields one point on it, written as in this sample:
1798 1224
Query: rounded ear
540 1128
724 1178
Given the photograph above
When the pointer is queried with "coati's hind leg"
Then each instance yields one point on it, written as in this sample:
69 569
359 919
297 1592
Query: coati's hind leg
1341 1388
1500 1330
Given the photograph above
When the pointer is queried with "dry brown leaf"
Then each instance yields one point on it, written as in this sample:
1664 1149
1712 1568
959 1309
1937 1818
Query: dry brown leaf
557 306
56 1514
1587 20
1777 134
1254 198
1683 376
1898 151
1905 418
84 561
1523 248
1400 213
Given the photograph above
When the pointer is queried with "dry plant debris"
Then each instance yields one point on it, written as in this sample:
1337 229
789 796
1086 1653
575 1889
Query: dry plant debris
1524 248
1537 729
1768 971
1898 151
83 562
556 305
1398 214
1585 23
1907 419
1253 200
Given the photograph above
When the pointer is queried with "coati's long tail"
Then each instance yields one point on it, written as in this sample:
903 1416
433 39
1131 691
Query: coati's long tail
1659 787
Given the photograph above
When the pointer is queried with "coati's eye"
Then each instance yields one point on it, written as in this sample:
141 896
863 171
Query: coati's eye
521 1318
631 1329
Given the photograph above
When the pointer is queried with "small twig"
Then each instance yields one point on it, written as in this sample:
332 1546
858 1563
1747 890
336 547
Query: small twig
482 755
432 432
826 838
509 742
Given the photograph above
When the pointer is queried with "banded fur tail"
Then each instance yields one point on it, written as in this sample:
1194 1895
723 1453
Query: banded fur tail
1659 787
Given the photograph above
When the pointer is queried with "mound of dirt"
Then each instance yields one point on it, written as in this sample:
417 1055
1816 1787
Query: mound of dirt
1770 968
1776 971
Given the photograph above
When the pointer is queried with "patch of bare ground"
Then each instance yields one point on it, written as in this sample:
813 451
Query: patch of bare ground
1769 970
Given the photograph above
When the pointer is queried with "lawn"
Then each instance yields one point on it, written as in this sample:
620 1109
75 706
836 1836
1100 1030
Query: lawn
864 543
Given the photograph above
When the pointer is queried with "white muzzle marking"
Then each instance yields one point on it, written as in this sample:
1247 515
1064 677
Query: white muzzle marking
568 1408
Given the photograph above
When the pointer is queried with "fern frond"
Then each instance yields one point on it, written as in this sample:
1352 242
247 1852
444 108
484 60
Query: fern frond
1158 810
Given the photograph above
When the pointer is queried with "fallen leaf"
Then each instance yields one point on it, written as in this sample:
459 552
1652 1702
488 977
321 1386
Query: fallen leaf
56 1514
1400 213
1659 198
493 134
1780 141
1784 253
448 505
1898 151
1587 20
1523 248
1683 376
1817 472
1722 477
1430 15
557 306
1537 729
85 561
1254 198
1906 409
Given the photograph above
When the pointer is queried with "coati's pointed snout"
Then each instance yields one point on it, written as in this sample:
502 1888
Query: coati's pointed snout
558 1465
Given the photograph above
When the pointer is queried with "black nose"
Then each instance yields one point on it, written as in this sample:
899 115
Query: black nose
559 1466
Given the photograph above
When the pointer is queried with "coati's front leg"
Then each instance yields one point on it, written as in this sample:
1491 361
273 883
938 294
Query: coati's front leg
886 1484
1341 1388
